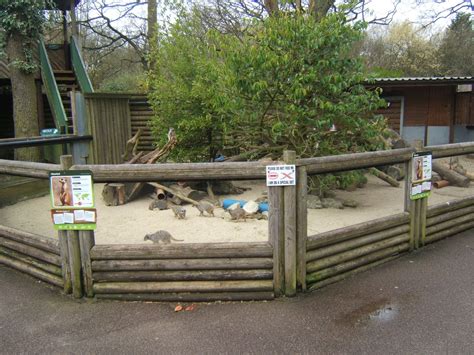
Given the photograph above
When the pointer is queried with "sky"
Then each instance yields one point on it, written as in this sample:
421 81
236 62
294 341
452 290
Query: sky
409 10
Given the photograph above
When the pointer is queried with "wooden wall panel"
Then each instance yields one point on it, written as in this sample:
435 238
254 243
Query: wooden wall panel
140 115
109 124
392 114
416 106
441 103
465 109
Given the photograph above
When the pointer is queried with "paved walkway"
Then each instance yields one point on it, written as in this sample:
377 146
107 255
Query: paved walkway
421 303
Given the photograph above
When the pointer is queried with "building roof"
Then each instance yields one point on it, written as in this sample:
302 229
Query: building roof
413 81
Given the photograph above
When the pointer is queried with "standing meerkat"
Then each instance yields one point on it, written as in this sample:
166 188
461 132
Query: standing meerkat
64 193
179 211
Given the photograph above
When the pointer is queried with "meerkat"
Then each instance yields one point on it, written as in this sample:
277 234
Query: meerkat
179 211
204 206
160 204
237 214
64 193
161 236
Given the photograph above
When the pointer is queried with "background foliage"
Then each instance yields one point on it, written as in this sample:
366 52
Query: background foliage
26 19
283 85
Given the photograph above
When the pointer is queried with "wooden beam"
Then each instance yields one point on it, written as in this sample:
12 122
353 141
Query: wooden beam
276 237
181 251
356 230
301 225
289 196
185 286
183 264
190 297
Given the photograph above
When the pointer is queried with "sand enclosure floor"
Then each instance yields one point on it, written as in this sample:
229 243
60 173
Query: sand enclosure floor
129 223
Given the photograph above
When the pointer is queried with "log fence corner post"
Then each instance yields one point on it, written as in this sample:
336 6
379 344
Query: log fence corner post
276 237
86 242
302 224
73 248
422 207
66 163
417 208
289 197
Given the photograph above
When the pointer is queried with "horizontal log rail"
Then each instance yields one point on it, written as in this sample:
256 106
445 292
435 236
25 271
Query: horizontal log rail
183 275
222 171
357 230
34 240
192 251
42 141
189 297
185 286
345 269
175 172
183 264
449 206
346 162
451 150
33 271
26 168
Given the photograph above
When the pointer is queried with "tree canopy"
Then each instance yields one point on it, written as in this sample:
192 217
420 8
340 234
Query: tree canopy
291 82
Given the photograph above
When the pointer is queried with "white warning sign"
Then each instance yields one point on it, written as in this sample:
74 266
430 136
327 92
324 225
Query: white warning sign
281 175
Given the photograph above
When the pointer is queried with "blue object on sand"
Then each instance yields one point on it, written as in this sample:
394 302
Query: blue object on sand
262 207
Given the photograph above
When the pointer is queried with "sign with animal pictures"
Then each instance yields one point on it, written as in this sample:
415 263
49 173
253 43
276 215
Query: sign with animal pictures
421 175
281 175
72 200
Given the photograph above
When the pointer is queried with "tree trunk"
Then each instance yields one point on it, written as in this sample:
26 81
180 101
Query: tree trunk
152 24
319 8
25 110
271 6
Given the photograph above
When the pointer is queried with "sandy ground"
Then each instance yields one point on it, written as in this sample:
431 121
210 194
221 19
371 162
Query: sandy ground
129 223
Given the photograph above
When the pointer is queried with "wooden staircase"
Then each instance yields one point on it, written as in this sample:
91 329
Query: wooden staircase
67 84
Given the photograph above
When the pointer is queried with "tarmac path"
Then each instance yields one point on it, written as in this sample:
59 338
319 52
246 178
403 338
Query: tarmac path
420 303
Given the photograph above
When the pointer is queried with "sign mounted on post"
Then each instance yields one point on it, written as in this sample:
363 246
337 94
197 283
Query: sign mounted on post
72 200
281 175
421 175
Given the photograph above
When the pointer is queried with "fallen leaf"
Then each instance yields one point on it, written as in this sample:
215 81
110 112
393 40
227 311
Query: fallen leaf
190 308
178 308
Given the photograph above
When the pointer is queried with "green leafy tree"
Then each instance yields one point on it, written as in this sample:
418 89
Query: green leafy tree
402 49
21 24
457 47
187 89
296 80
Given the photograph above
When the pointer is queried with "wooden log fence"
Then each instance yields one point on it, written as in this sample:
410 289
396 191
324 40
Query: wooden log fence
32 254
450 218
338 252
290 262
191 272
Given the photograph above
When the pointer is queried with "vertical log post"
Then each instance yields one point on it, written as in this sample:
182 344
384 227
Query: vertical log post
289 196
276 237
422 208
87 241
66 163
302 225
408 171
423 211
75 262
73 247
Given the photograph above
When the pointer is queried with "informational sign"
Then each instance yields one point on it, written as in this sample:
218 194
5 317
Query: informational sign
72 200
281 175
421 175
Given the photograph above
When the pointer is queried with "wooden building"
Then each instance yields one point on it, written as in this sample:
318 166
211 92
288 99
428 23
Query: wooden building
438 110
61 72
